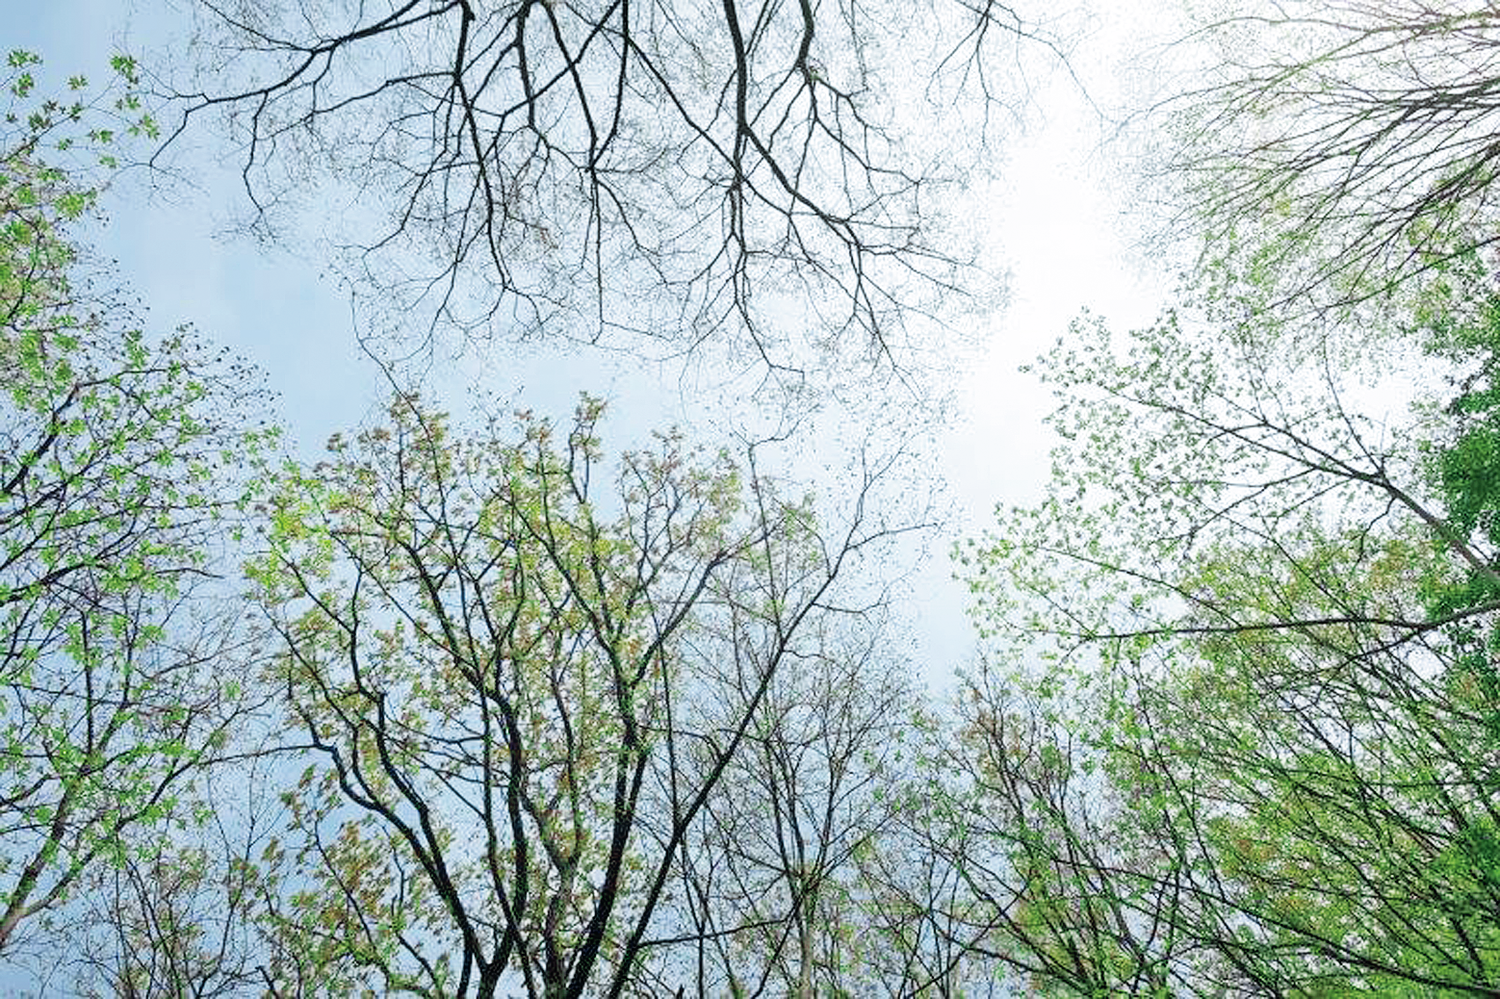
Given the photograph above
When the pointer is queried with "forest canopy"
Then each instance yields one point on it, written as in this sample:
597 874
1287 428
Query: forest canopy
482 700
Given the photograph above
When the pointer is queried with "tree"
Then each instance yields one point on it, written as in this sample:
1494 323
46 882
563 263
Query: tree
118 674
652 175
1054 890
776 892
514 688
1265 624
179 915
1361 130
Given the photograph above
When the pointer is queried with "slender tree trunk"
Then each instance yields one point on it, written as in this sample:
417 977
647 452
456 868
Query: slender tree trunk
805 950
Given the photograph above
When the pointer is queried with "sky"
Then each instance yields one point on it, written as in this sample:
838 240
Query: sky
1053 221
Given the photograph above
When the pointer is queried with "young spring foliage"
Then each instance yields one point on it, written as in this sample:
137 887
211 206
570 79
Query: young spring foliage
523 679
117 486
1246 740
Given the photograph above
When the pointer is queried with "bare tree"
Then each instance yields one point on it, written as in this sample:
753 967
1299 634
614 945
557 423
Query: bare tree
649 174
773 897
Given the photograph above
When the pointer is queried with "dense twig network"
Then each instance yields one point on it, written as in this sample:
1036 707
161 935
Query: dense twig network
651 172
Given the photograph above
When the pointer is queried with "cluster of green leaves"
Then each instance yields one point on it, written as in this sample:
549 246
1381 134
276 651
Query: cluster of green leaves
82 133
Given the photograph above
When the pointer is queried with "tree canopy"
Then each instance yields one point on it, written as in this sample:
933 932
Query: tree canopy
1349 143
470 704
1255 752
523 708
